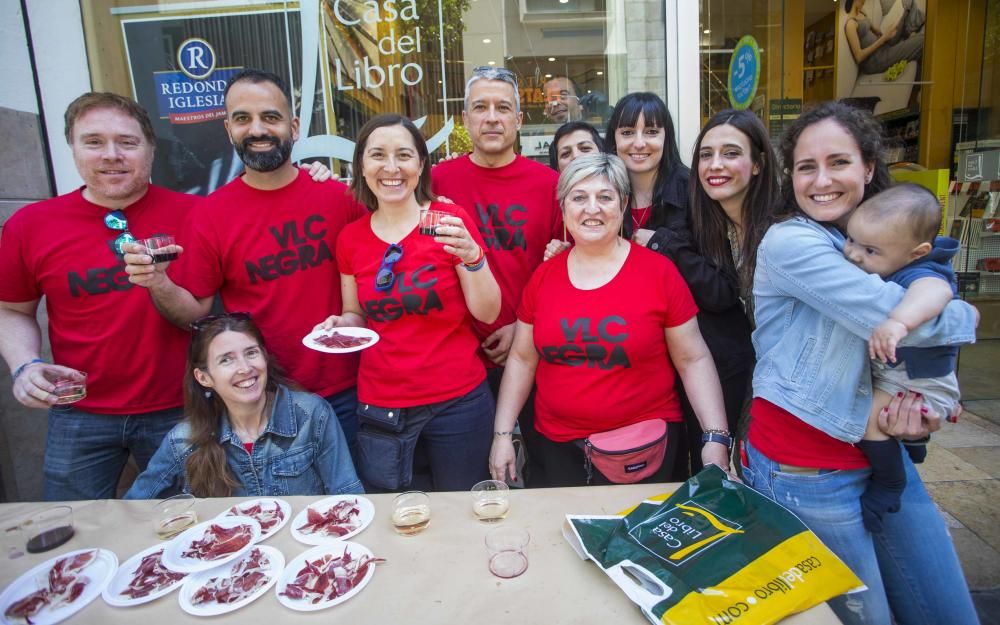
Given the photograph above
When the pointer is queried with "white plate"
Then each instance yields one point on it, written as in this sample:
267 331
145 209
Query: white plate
307 340
174 559
112 593
100 571
337 549
194 582
269 501
367 513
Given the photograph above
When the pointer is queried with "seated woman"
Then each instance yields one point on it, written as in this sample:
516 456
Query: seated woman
597 330
245 432
422 382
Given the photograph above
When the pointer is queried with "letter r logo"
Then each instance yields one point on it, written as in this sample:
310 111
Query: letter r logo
196 58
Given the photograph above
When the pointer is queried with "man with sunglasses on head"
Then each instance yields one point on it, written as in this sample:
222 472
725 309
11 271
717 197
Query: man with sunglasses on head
513 201
265 243
69 249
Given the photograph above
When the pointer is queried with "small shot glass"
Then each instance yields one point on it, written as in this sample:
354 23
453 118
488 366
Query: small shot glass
160 248
490 500
508 550
430 220
411 512
68 389
173 515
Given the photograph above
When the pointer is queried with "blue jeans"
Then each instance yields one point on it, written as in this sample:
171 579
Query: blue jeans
345 405
910 569
86 452
456 435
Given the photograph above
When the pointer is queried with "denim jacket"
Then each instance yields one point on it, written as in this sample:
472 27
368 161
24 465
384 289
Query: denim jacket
815 312
301 452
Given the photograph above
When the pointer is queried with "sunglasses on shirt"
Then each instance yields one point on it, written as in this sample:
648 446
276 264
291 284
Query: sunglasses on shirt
384 277
116 220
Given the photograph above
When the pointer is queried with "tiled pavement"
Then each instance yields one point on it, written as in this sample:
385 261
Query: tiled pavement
962 474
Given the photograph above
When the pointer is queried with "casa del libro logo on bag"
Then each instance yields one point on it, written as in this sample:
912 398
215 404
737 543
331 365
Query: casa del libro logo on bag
194 93
683 531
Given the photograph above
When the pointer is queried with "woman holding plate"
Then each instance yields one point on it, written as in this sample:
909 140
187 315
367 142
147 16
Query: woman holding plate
422 380
600 331
245 432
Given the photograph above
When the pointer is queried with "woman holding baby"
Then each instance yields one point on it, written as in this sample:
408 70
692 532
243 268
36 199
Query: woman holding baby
815 313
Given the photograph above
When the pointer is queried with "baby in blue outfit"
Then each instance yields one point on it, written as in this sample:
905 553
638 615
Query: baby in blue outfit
894 235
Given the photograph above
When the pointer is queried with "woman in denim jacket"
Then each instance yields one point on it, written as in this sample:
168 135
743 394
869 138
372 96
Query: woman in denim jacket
815 312
245 432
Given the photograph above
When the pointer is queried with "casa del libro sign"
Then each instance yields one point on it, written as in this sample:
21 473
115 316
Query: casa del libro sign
368 74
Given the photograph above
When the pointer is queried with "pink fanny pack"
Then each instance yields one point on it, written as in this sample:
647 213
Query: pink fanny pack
628 454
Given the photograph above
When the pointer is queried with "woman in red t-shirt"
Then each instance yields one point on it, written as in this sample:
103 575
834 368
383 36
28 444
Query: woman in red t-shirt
422 380
597 330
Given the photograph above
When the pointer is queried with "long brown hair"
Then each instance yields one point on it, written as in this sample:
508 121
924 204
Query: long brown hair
709 222
207 470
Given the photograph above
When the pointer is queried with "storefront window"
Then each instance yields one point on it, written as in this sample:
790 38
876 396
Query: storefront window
348 60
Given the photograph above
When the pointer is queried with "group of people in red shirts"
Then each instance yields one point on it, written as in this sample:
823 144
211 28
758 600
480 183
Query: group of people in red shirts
587 288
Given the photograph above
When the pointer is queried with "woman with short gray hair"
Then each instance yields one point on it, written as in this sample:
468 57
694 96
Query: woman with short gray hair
600 331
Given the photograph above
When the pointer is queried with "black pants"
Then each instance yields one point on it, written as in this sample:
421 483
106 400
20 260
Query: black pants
735 392
564 463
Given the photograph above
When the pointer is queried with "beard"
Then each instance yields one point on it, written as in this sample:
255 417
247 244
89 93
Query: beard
267 161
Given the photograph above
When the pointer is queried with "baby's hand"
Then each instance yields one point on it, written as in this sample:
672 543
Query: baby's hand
884 339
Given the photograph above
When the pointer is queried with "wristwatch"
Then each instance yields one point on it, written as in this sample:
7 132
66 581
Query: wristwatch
716 437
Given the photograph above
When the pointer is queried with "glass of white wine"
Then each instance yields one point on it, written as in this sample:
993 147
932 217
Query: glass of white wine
411 512
174 515
490 500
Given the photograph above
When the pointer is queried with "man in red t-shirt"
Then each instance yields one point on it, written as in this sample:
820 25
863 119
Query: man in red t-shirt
511 198
68 249
265 243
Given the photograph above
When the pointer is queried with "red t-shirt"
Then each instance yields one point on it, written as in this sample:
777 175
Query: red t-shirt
517 213
99 322
271 253
602 353
784 438
427 349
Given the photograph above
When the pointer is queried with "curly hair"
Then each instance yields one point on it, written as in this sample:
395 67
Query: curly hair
867 132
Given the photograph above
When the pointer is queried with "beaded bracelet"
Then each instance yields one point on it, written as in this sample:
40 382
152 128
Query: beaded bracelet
712 431
21 369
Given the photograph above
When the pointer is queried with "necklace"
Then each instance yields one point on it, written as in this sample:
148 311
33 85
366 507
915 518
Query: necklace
640 221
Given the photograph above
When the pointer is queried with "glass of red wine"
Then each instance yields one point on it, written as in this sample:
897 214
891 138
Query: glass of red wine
430 220
49 529
161 247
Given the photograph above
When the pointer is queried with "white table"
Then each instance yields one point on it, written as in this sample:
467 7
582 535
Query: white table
437 577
